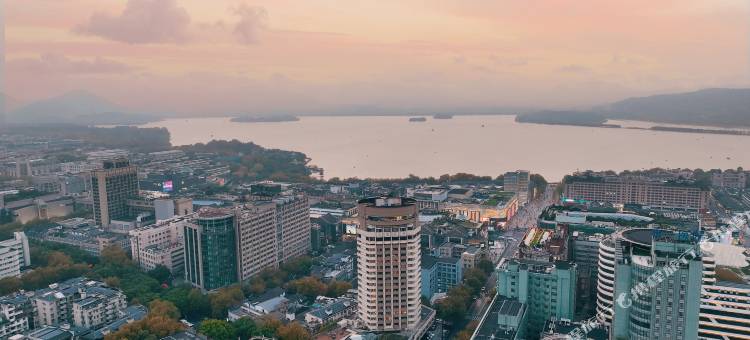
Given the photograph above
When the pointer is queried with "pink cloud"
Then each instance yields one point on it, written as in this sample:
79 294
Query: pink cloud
142 22
252 21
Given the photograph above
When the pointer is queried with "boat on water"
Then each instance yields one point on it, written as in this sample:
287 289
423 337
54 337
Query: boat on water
417 119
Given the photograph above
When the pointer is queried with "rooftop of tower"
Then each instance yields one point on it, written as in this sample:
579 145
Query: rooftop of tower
387 201
646 237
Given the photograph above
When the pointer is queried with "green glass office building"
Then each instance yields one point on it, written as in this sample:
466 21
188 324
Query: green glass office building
211 250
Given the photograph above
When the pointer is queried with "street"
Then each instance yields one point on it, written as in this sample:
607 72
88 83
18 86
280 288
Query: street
515 230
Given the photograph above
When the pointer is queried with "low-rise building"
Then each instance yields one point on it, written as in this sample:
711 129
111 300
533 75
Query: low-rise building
79 302
86 306
16 315
331 312
729 179
440 274
272 301
505 319
160 244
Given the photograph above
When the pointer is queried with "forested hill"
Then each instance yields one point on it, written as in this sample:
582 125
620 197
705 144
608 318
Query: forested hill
719 107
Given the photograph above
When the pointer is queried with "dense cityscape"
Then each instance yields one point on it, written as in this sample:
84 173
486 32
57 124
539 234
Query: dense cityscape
193 243
374 170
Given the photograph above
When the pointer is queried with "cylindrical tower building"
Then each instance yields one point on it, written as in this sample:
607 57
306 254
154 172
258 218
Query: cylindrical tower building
388 264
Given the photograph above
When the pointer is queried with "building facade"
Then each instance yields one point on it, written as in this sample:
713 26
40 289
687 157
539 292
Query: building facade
14 255
388 264
160 244
292 227
211 249
651 308
440 274
111 187
257 239
518 182
635 191
548 289
730 179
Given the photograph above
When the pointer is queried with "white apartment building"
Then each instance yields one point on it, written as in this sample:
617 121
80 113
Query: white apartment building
388 264
14 255
725 306
256 236
80 302
160 244
97 306
16 314
293 220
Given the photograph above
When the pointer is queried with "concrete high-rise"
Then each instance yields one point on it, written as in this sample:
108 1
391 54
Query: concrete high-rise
292 227
657 285
388 264
256 238
111 187
223 246
518 182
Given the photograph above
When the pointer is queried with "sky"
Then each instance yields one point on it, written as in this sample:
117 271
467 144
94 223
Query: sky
198 57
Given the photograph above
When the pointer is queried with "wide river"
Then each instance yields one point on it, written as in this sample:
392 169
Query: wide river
388 147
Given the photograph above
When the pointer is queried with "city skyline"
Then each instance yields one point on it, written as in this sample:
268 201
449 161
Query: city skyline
227 57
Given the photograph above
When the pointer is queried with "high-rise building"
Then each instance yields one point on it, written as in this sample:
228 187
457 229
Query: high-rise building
211 249
388 264
292 227
547 288
14 255
256 238
518 182
223 246
725 305
111 187
605 281
657 285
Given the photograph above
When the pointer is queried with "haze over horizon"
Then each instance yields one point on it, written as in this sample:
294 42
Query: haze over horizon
197 57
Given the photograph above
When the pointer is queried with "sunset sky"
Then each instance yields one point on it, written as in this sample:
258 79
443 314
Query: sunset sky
216 57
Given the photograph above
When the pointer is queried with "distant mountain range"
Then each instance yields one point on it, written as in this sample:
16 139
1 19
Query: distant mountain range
8 102
78 107
712 107
719 107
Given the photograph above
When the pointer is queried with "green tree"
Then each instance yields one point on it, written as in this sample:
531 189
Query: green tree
267 326
160 273
112 281
115 255
217 329
245 328
9 285
223 299
309 286
337 288
486 266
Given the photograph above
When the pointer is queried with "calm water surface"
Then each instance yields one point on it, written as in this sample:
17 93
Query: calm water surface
381 147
